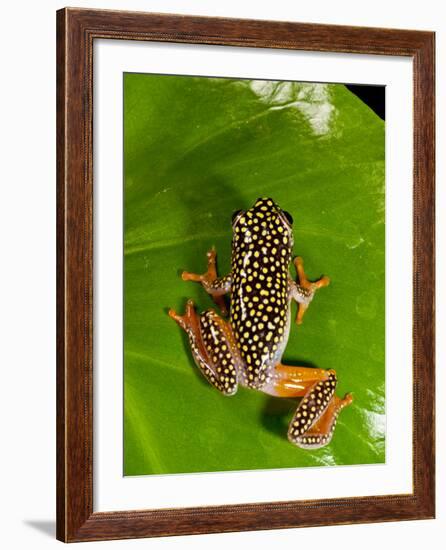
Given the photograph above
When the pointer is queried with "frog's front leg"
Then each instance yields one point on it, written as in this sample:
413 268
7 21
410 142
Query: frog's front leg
303 292
315 418
214 285
213 347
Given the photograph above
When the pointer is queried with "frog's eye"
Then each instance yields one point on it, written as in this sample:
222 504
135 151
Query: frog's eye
289 217
236 215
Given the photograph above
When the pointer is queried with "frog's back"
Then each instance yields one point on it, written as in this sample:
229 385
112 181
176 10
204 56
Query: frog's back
261 252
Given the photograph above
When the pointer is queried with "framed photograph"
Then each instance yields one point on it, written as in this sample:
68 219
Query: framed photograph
245 275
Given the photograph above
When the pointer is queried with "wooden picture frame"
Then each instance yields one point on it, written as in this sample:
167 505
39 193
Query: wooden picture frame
76 31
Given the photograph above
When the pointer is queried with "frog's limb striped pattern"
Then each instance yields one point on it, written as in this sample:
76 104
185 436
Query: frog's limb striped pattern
213 347
214 285
303 292
314 421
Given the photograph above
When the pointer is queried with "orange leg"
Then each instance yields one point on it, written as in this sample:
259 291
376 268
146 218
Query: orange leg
214 285
321 432
315 418
213 347
294 381
189 321
304 291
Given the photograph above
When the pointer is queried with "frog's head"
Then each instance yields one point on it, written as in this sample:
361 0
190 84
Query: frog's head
264 217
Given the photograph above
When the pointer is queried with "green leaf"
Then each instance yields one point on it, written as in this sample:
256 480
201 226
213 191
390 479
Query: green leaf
196 149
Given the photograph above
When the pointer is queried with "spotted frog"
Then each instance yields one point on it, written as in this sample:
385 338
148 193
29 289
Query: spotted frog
247 349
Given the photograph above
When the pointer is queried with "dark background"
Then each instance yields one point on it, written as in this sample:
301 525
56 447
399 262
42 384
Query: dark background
373 96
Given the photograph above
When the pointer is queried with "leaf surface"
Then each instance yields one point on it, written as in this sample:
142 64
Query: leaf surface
196 149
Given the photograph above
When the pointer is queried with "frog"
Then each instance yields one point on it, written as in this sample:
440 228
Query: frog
246 348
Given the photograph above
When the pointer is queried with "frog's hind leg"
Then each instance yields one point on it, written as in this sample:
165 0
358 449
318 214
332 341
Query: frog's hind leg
315 418
216 286
213 347
322 430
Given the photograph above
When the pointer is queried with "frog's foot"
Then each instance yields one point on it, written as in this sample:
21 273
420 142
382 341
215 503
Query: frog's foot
304 291
188 321
215 286
314 421
321 433
213 347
